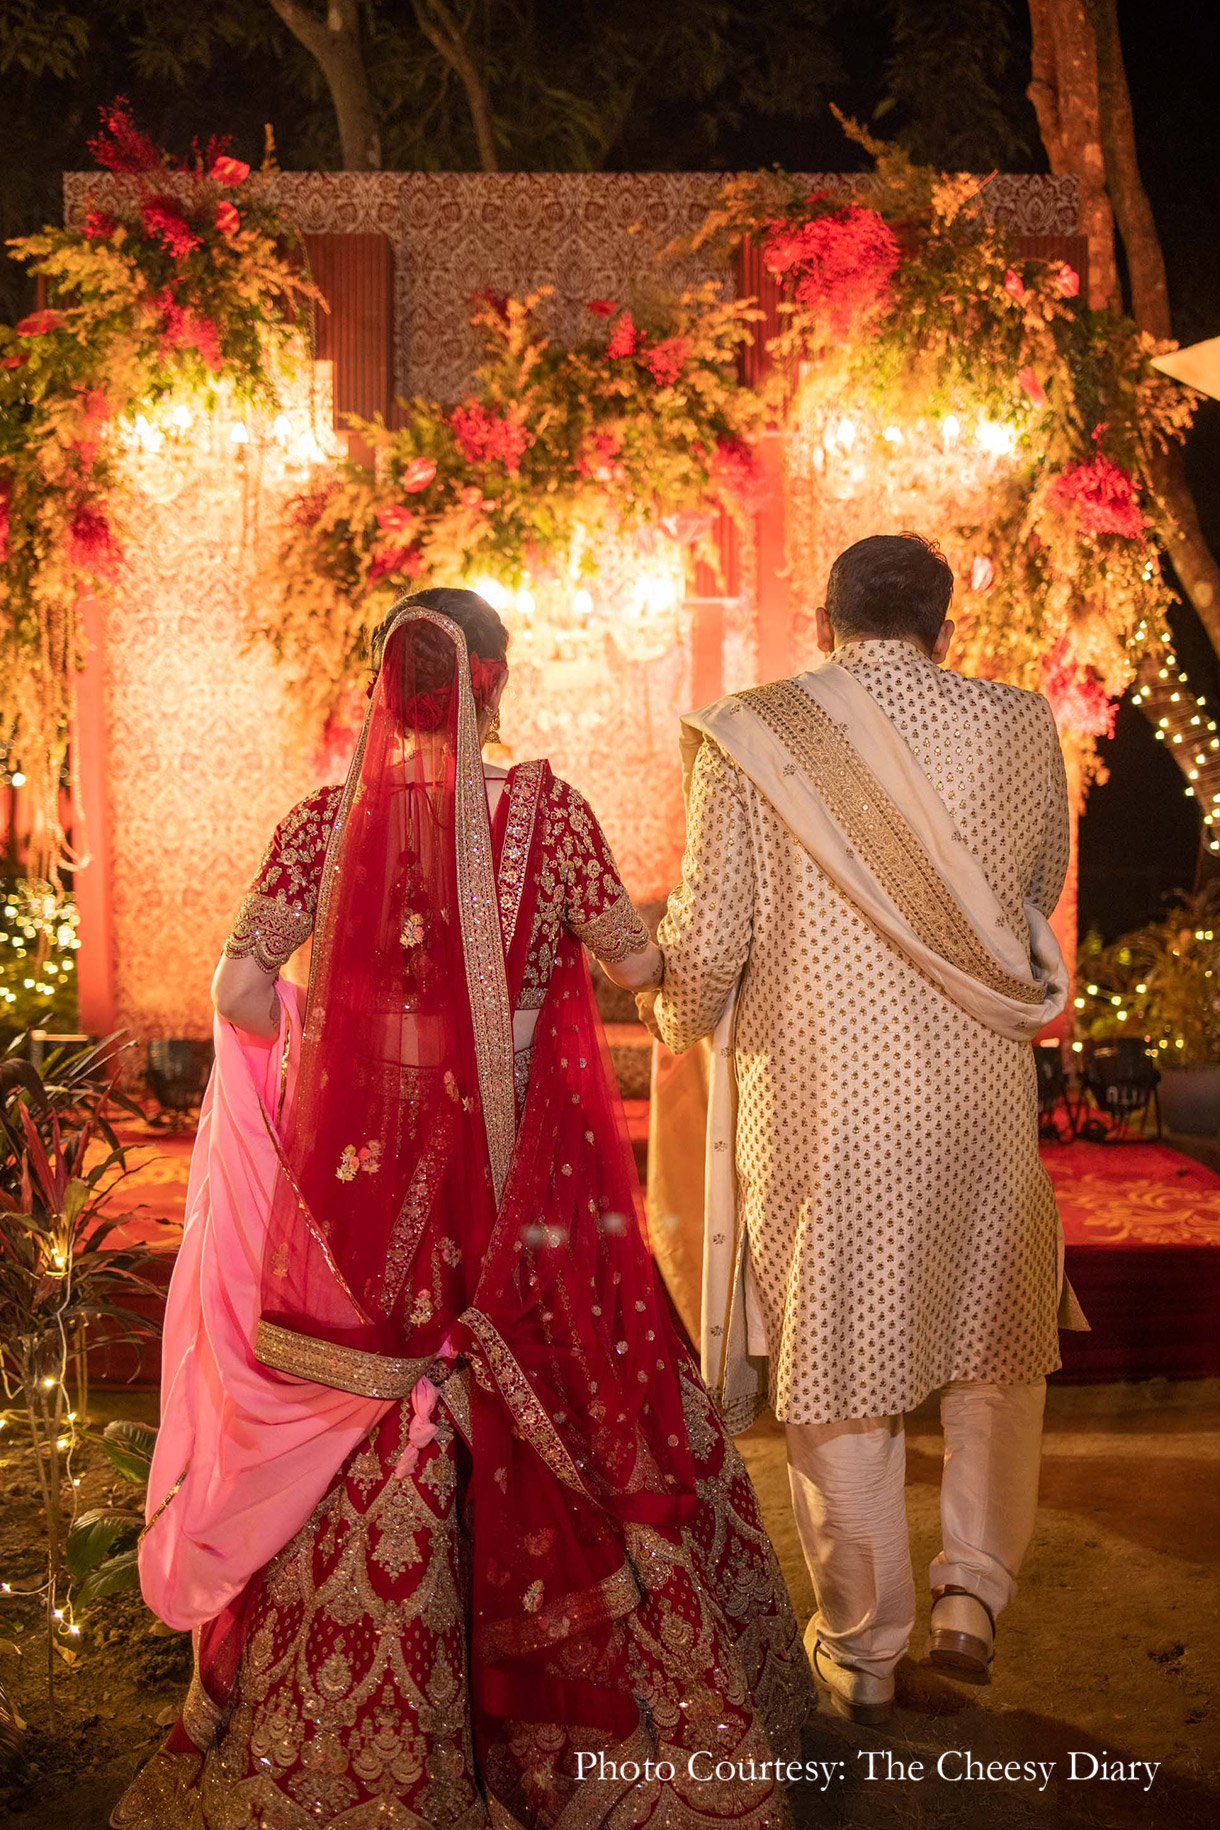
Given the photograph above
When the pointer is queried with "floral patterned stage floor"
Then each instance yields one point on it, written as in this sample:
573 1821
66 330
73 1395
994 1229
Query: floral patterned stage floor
1141 1224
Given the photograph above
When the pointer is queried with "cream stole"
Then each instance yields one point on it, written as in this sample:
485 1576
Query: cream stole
882 834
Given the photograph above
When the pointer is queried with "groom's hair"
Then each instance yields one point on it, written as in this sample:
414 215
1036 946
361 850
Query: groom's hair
890 585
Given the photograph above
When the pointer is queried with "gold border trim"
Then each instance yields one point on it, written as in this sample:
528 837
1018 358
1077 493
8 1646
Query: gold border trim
522 1401
524 798
888 845
347 1369
566 1617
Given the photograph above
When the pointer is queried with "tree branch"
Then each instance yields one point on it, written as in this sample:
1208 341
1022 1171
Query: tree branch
440 27
335 45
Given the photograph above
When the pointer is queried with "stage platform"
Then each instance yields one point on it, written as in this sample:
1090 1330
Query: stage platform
1141 1223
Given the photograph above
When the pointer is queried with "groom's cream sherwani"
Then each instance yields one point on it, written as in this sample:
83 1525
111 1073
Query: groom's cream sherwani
899 1228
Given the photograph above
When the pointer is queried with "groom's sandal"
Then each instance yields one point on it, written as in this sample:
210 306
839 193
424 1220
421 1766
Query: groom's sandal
962 1640
857 1695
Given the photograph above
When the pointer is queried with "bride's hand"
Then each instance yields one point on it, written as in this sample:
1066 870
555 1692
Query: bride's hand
646 1005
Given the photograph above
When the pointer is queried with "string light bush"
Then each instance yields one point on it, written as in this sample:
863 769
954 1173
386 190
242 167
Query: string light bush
38 947
61 1167
1161 983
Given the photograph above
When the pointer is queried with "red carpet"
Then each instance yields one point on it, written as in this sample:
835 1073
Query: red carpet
1141 1222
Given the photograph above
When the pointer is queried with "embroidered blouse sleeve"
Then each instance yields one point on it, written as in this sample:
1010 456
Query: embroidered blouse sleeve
277 914
709 923
596 907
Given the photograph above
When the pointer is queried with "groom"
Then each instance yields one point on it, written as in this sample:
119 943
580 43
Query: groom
873 850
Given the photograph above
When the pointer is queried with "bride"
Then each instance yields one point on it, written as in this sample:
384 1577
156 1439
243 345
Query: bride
460 1536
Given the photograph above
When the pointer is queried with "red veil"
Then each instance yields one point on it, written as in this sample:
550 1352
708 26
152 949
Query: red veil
429 1223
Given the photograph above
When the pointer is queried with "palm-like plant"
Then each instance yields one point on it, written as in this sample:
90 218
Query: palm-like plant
61 1164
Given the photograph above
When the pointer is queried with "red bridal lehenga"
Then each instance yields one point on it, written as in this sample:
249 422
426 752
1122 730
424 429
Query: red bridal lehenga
547 1549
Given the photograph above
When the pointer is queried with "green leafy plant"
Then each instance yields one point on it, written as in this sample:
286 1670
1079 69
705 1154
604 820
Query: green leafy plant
1161 983
102 1543
61 1166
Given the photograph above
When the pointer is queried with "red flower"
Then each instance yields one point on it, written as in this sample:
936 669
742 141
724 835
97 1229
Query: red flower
395 519
605 308
307 510
229 171
228 217
622 338
401 561
472 497
183 328
1078 698
6 491
1014 285
598 457
488 438
39 323
99 225
665 361
736 473
90 543
418 474
17 360
120 147
162 216
1033 387
1103 495
841 263
1068 281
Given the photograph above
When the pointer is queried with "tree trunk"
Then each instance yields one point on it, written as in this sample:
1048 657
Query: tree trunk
1065 93
1177 516
443 31
1136 223
335 43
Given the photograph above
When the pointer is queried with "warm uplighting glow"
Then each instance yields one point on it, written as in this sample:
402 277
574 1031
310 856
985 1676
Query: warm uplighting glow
951 426
994 437
582 604
892 435
492 590
239 432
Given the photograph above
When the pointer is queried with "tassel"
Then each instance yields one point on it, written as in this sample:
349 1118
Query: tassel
422 1427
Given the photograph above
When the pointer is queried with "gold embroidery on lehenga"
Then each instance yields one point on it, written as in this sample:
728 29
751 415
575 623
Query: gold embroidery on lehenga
887 844
523 1403
566 1617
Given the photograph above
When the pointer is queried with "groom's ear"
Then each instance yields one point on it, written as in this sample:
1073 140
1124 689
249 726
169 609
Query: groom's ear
826 635
940 647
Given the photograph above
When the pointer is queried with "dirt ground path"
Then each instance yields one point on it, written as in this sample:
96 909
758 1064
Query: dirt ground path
1112 1649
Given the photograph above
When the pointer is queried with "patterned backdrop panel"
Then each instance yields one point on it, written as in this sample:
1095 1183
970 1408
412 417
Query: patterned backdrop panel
204 753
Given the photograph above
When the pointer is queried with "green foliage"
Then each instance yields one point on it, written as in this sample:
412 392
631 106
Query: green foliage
1164 979
129 1449
61 1168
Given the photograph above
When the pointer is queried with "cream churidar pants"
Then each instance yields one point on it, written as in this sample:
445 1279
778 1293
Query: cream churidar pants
847 1493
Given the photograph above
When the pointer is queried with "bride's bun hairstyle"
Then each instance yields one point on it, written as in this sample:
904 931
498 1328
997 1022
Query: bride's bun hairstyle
432 654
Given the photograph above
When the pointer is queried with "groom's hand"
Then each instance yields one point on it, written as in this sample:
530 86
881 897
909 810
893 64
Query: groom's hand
645 1003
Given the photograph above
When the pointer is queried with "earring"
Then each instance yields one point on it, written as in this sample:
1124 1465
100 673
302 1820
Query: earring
493 728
